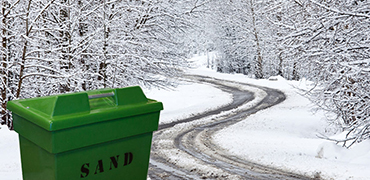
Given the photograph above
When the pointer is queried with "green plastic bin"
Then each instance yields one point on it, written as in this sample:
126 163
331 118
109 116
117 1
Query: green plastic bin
103 134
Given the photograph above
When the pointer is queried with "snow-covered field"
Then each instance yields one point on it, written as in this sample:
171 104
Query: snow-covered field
187 100
284 136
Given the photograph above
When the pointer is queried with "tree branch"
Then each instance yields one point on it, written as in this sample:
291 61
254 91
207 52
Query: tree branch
340 12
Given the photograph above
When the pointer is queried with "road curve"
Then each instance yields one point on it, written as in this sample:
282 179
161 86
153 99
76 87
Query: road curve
184 149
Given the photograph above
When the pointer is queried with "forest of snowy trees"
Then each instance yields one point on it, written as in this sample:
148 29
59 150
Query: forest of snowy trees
58 46
325 41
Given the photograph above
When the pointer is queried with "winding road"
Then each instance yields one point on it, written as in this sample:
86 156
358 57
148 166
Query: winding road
184 149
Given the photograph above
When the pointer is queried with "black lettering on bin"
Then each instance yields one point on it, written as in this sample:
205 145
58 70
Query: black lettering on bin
100 164
113 161
128 158
85 170
99 167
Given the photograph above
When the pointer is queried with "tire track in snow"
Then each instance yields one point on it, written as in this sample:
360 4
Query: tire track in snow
184 149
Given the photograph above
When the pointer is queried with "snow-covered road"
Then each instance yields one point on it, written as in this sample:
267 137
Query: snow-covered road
184 149
283 137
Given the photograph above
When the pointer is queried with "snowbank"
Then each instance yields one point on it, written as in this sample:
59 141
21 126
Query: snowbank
187 100
10 161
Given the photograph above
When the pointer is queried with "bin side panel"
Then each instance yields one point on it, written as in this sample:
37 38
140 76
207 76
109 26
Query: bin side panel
123 159
32 132
37 164
82 136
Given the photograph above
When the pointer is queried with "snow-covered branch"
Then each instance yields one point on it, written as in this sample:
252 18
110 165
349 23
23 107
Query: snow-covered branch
43 75
339 11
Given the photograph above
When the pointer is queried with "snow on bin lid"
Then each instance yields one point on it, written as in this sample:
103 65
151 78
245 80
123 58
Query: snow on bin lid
76 109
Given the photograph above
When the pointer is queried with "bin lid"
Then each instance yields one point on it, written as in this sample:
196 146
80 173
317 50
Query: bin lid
76 109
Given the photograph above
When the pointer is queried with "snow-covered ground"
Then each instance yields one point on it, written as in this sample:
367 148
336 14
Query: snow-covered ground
283 136
187 100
